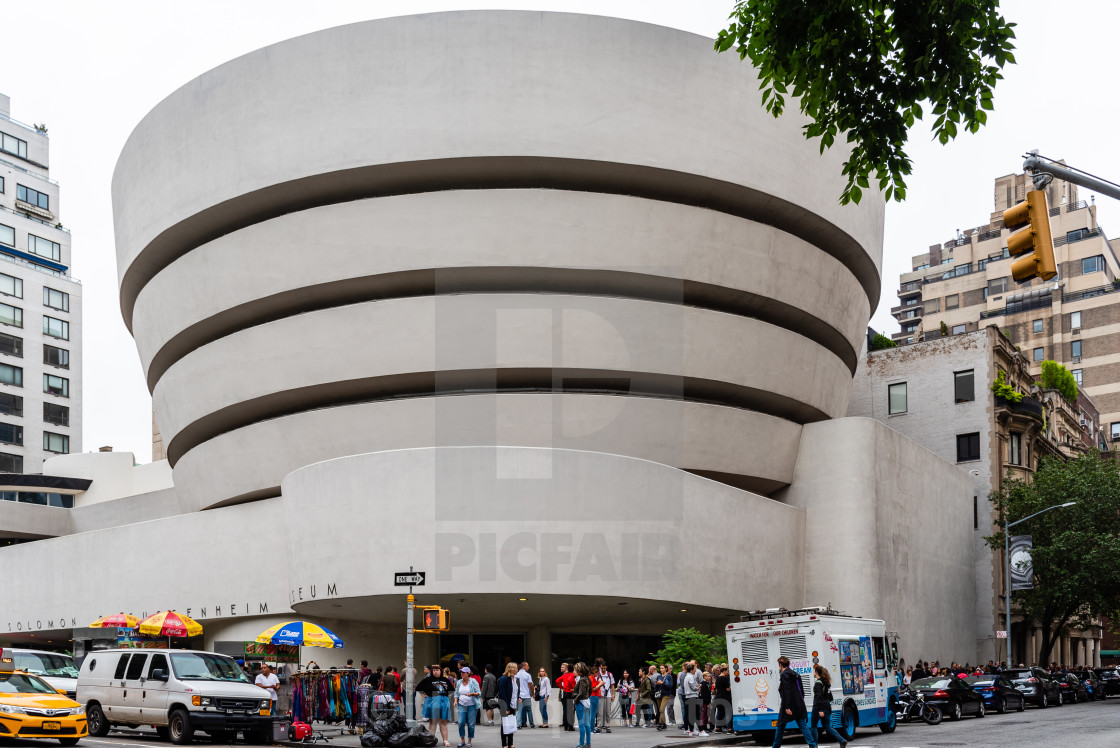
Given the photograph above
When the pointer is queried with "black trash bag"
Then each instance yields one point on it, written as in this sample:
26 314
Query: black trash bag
402 740
383 728
424 739
398 723
372 740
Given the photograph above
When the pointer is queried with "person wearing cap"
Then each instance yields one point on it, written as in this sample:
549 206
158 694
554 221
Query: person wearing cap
467 695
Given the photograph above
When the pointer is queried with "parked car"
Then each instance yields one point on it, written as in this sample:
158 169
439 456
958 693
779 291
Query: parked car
1073 690
999 693
57 669
1036 685
951 695
1093 684
1110 677
178 691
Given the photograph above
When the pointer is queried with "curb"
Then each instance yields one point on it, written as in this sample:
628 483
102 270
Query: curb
711 740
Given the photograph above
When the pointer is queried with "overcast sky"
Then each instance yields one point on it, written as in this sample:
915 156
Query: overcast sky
91 70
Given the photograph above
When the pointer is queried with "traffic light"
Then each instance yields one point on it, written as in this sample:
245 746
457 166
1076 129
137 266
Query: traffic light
1034 214
436 619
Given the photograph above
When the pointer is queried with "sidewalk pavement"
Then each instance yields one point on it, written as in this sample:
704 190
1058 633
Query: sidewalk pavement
555 737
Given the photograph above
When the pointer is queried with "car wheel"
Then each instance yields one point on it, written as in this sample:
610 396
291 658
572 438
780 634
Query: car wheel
848 722
1001 705
955 711
1043 702
69 741
892 716
1022 704
181 732
1061 698
96 723
981 711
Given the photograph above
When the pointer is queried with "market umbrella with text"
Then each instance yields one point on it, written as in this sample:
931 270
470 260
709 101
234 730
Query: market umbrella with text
301 634
116 621
169 623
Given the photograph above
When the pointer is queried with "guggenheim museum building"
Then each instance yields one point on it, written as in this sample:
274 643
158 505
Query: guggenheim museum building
543 305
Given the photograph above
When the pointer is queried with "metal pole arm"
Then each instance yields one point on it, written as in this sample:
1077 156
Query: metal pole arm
1024 519
1040 164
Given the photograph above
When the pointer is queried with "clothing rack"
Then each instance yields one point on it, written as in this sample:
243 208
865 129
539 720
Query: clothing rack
325 696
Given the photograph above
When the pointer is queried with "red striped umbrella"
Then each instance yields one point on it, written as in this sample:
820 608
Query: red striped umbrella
169 623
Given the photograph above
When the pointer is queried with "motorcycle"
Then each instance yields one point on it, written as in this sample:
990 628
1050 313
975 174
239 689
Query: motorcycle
911 704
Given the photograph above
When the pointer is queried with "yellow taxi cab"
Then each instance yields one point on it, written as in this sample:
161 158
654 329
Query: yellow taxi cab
31 708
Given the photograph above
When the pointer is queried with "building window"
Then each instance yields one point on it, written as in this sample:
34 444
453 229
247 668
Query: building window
1075 349
932 306
10 463
11 345
975 512
911 302
960 329
33 197
963 389
981 264
1075 320
59 443
11 405
37 245
997 286
12 375
1036 326
1077 376
59 415
11 315
59 357
56 328
1039 354
952 301
896 398
968 447
1116 431
1015 448
10 433
11 286
947 260
1092 264
7 235
909 315
56 299
1 185
13 145
53 385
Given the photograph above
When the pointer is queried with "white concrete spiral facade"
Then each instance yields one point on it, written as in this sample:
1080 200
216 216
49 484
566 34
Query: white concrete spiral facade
567 231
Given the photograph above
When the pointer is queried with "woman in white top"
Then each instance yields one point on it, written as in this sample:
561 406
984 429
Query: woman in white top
467 695
544 688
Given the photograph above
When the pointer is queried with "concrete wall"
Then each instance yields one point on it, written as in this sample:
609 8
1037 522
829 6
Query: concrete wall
933 419
114 474
888 534
598 233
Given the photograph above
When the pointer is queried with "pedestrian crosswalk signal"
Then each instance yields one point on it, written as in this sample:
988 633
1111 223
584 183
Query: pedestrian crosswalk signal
1035 216
436 619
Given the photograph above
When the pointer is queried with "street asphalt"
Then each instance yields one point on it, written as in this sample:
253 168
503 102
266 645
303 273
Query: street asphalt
1092 725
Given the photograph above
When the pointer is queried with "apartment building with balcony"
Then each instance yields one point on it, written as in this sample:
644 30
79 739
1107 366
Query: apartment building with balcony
40 312
965 284
938 393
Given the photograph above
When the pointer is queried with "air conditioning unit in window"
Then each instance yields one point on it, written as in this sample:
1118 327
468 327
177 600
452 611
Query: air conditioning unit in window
1077 359
1076 331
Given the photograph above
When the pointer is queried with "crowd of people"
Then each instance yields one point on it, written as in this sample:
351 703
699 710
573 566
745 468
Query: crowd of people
926 669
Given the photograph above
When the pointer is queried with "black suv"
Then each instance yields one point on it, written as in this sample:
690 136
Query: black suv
1036 685
1110 678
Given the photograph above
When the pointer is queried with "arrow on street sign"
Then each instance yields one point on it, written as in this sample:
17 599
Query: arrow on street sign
409 579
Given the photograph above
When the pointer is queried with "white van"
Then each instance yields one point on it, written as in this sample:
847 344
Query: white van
178 691
57 669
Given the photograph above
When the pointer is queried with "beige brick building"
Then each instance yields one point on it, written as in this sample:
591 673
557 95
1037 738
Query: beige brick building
965 284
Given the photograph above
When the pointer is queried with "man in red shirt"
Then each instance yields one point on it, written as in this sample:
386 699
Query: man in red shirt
566 683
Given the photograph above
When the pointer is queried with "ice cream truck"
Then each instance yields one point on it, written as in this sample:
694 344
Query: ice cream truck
855 651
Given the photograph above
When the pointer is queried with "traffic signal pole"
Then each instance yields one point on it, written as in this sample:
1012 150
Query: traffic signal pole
1040 167
409 670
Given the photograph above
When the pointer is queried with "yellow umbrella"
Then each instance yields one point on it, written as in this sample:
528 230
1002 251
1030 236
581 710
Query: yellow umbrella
169 623
118 620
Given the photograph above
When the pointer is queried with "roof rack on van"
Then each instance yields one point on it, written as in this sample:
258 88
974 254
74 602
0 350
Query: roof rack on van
819 610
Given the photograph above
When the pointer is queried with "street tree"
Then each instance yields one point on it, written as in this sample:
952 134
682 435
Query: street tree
863 69
681 645
1076 554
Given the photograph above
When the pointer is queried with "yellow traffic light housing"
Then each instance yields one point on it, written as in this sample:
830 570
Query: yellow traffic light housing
434 618
1035 215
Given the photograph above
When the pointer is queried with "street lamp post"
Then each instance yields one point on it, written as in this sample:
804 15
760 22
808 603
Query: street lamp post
1007 561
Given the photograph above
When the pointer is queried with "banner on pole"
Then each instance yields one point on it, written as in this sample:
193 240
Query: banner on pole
1022 569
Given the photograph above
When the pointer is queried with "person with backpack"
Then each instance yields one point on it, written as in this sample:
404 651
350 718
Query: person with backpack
822 704
489 690
792 708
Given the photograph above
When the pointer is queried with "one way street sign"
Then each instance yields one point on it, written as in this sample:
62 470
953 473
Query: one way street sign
409 579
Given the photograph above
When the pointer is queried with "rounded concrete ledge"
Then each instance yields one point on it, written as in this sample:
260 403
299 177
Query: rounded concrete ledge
744 448
430 345
540 521
512 240
492 99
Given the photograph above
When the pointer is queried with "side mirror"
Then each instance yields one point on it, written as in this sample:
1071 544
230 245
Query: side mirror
158 674
61 691
894 651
